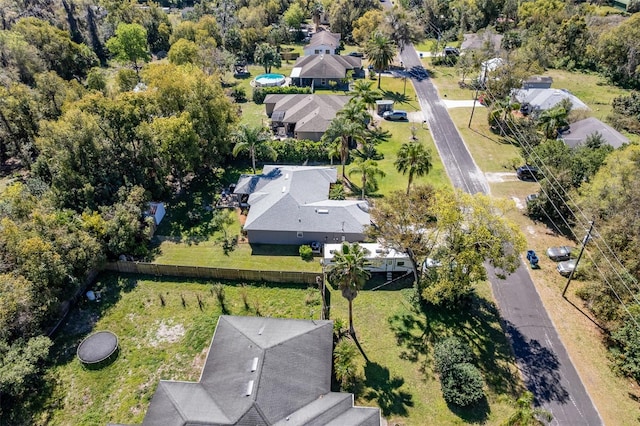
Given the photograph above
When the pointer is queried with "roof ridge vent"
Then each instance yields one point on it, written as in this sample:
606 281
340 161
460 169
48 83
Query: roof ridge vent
254 364
249 388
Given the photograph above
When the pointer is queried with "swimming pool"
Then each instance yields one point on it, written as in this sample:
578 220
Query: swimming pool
269 80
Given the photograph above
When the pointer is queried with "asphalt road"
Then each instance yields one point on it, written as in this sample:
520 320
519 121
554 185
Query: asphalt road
541 357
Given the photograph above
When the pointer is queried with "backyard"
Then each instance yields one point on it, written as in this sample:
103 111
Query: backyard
165 327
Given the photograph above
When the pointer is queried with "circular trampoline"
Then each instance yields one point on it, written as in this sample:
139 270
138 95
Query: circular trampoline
98 349
267 80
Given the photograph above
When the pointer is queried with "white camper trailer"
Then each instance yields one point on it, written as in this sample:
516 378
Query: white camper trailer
381 259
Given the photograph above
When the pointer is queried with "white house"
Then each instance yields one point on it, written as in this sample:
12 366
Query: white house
322 42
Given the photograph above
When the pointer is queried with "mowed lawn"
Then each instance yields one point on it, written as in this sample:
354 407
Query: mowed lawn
245 256
165 328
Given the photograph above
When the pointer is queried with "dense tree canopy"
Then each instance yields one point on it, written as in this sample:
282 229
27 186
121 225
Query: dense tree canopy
459 231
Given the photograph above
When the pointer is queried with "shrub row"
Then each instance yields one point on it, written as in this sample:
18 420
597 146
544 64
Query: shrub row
259 93
294 151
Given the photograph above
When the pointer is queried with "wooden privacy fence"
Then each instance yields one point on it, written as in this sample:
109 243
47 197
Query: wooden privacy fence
213 273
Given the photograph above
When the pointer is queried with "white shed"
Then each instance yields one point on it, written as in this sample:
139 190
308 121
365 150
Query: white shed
156 210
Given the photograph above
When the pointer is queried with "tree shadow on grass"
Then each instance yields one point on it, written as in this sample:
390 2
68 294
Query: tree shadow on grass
385 390
476 413
82 317
79 323
190 215
477 323
396 97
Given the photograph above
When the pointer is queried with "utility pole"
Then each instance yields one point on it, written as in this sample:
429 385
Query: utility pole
584 243
475 97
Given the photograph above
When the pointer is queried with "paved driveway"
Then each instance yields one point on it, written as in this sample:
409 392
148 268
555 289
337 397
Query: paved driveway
542 358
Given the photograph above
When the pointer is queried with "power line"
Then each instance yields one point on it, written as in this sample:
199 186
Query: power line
530 151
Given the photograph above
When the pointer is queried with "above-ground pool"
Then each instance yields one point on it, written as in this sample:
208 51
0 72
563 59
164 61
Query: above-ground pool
269 80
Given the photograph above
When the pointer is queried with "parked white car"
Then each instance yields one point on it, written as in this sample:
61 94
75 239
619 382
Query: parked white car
565 268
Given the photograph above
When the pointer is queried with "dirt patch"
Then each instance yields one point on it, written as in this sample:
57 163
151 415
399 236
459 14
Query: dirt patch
519 203
501 177
167 333
198 362
242 218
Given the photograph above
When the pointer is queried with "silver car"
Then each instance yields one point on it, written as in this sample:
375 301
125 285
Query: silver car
558 254
565 268
395 115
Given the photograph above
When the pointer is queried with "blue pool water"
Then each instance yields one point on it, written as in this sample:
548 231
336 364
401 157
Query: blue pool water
270 79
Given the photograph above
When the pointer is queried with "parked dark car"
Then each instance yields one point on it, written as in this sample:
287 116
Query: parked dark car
356 54
451 51
528 172
561 253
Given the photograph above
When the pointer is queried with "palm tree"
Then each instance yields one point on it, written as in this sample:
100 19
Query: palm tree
551 120
333 150
362 90
348 272
402 26
380 51
342 129
526 415
413 158
355 110
344 363
369 172
250 139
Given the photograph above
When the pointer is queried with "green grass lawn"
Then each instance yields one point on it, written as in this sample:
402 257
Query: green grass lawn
170 341
244 256
399 341
393 181
487 149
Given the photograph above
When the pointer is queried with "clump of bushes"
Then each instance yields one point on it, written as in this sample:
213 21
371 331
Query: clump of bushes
296 151
461 381
305 253
239 94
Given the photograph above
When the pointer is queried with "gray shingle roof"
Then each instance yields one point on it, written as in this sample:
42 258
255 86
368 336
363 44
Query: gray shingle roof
324 38
309 113
295 198
580 130
324 66
544 99
261 371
